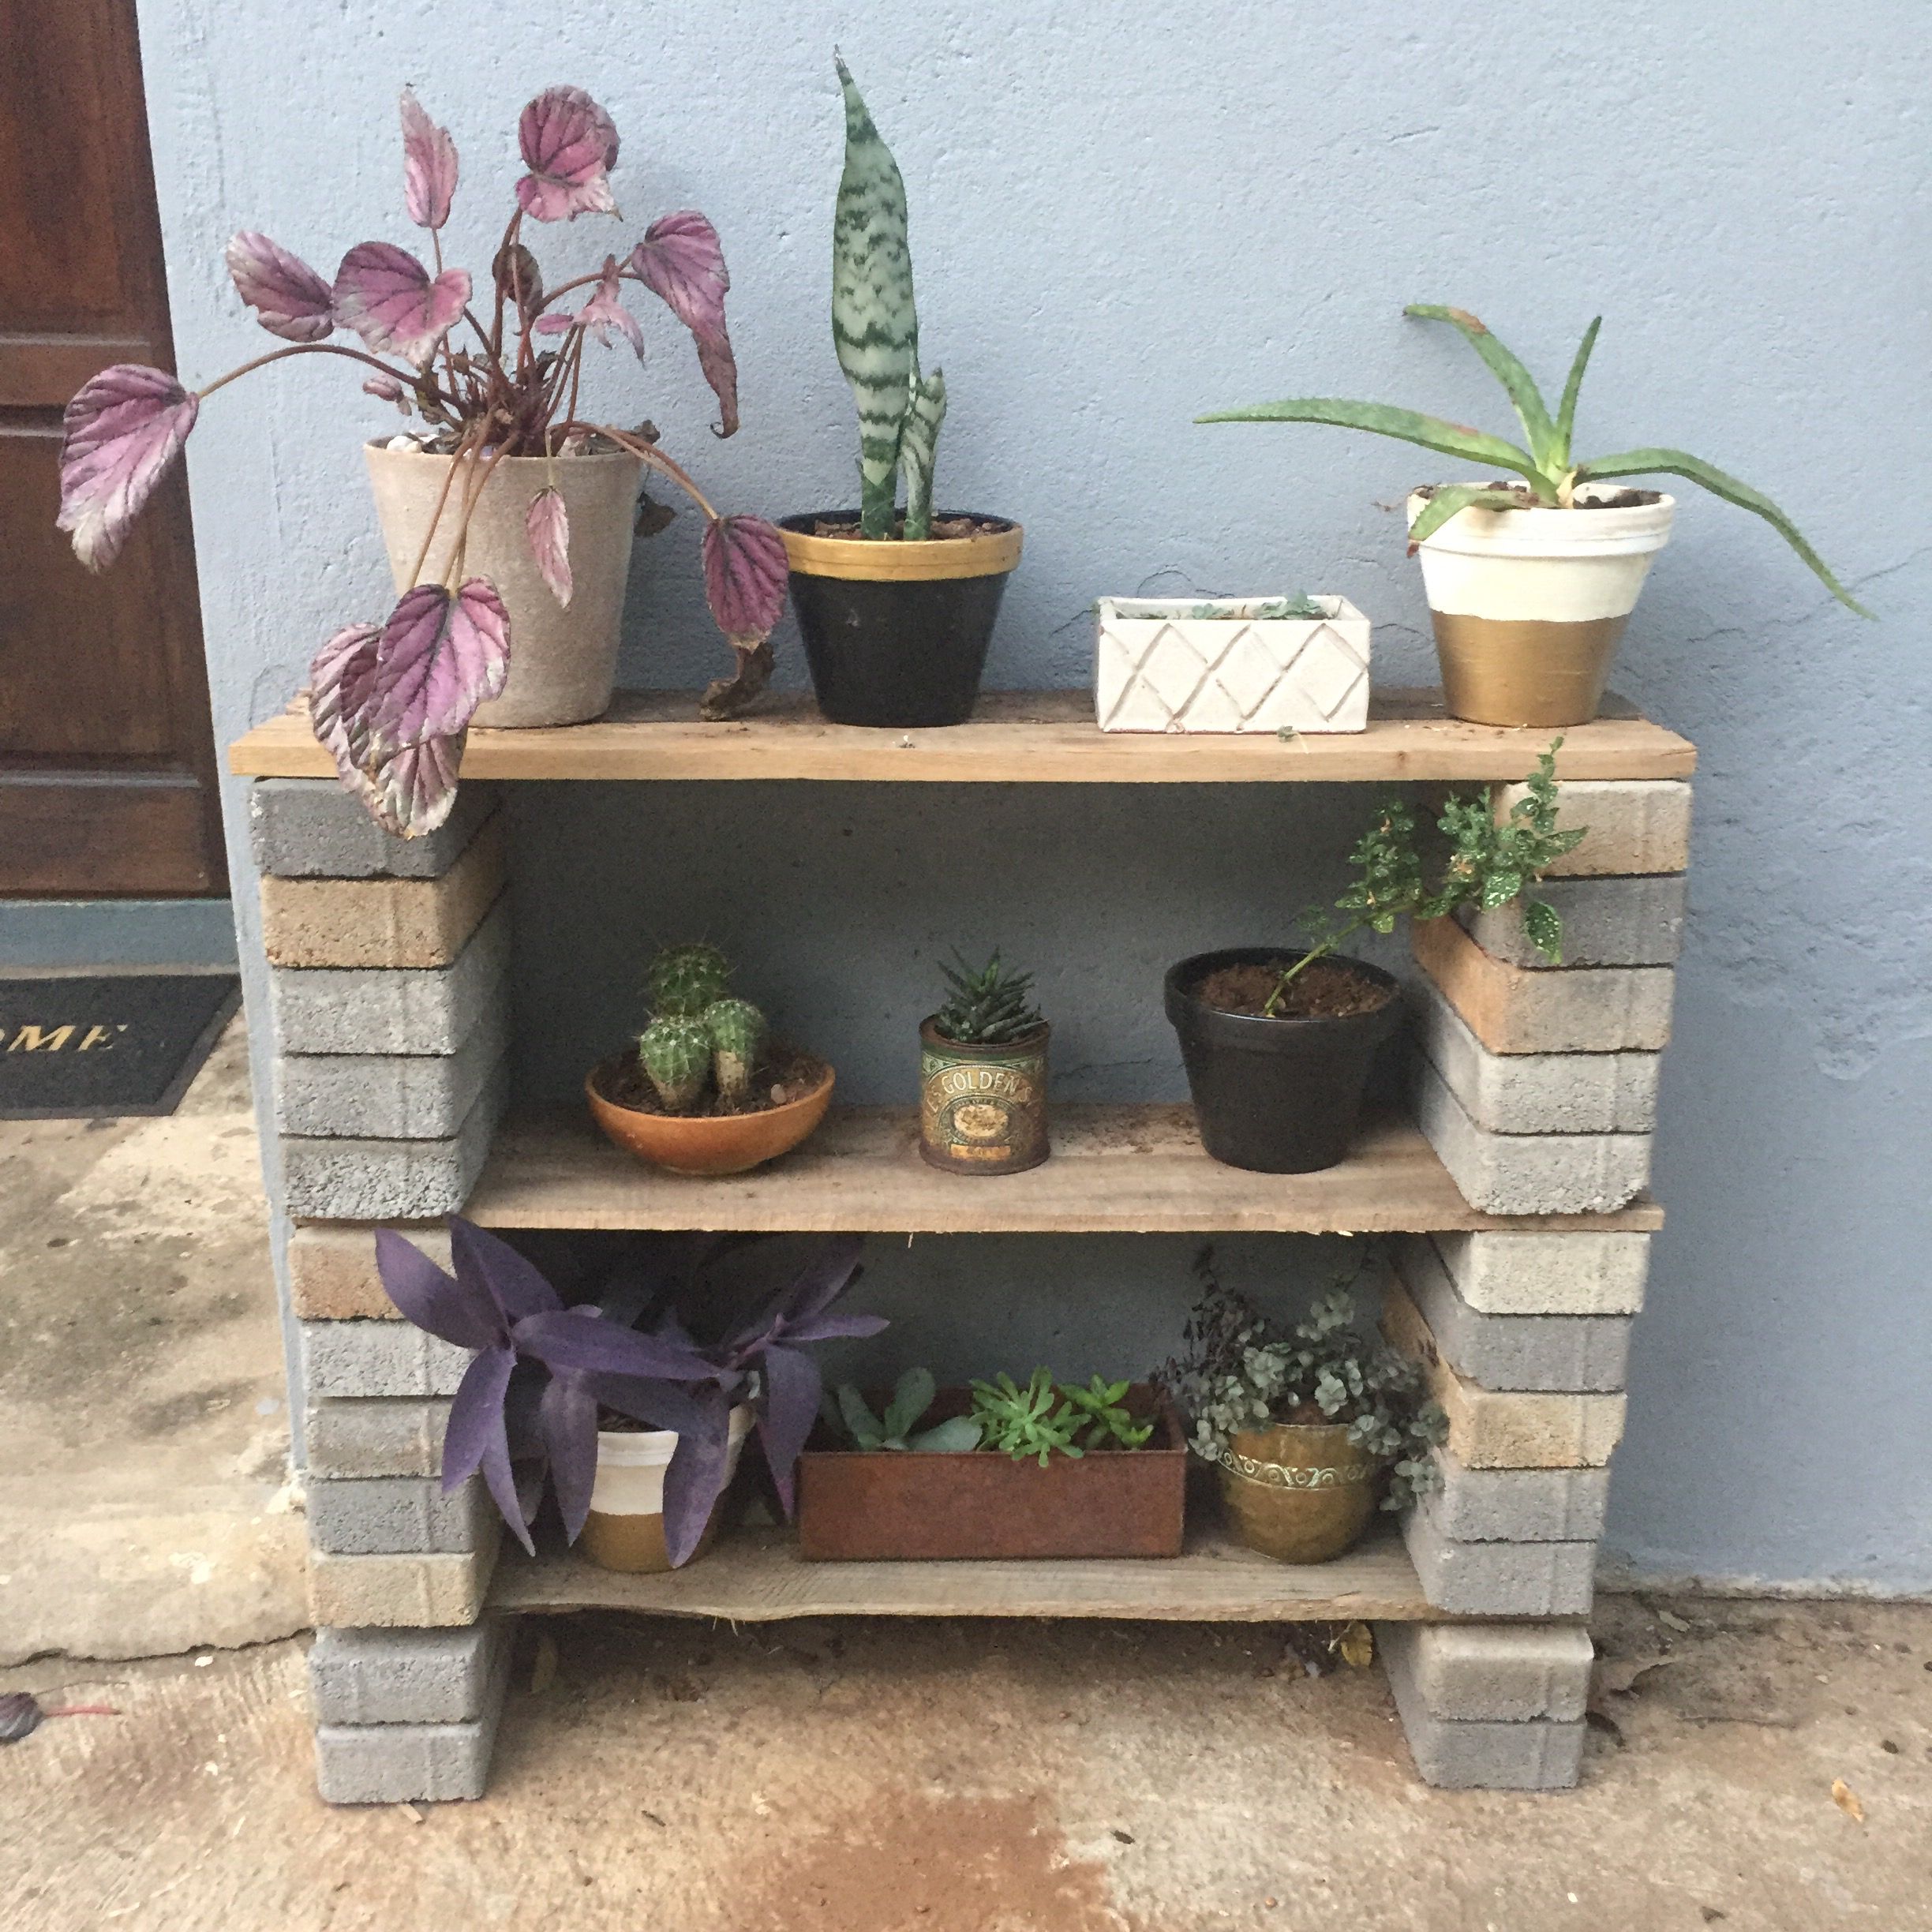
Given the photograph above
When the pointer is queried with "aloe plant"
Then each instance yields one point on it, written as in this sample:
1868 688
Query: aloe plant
875 329
1546 465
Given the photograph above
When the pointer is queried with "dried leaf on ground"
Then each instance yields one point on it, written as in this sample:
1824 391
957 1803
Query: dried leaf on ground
1355 1646
1671 1621
1846 1800
1618 1676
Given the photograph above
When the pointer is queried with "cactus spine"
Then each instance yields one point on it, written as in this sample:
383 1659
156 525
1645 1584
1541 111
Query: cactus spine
683 980
737 1031
677 1053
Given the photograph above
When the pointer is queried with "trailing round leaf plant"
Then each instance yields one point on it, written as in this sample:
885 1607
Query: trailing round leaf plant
391 701
1550 471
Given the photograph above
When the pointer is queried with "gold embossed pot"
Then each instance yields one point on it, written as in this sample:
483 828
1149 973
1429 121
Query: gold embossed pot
983 1109
1529 605
1301 1492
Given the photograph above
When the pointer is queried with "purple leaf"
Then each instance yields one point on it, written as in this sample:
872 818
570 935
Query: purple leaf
567 1418
680 260
21 1715
745 577
386 389
518 276
834 1328
439 658
569 145
340 687
546 523
288 298
429 165
515 1286
386 295
459 1310
123 430
412 792
604 311
696 1477
822 1280
788 1408
564 1340
475 1437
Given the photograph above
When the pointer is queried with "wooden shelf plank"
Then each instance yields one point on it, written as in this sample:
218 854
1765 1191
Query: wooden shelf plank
757 1577
1014 737
1115 1169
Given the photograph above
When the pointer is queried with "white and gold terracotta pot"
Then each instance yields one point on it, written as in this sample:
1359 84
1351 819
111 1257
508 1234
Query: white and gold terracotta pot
1529 606
625 1528
562 660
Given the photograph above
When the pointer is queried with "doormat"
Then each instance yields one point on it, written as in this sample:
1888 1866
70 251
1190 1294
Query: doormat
76 1046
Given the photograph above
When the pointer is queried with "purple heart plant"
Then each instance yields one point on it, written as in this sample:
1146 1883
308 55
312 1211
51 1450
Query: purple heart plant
527 1406
391 701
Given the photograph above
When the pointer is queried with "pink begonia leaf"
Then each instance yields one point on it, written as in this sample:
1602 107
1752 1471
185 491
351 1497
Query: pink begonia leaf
440 656
680 260
415 790
385 388
123 430
603 312
429 165
569 145
745 577
555 322
386 295
547 525
288 298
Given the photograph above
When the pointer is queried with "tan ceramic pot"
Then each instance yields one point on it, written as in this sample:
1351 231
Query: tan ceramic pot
624 1529
1301 1492
563 661
697 1144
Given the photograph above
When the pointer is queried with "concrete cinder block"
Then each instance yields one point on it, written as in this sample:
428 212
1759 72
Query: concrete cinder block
1519 1505
1493 1429
394 1515
359 1180
414 1592
376 1436
412 1763
331 1266
1539 1174
311 828
1533 1093
1512 1009
1606 922
362 1358
1501 1673
432 1011
1565 1352
390 1096
1587 1271
1634 825
406 1676
389 923
1541 1753
1498 1579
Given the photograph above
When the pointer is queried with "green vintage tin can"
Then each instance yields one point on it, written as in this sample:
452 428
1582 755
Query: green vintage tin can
983 1109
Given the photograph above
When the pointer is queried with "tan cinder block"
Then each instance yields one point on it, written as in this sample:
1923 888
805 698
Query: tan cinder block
331 1266
1490 1430
404 1593
397 924
1518 1009
1634 825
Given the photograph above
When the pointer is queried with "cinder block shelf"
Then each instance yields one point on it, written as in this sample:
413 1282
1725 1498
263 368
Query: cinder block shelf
1114 1169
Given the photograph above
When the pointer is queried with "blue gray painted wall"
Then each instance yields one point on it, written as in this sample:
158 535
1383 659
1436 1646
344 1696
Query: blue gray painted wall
1120 218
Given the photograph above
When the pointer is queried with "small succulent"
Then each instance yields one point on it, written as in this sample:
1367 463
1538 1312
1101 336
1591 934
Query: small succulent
1103 1404
683 980
1035 1420
677 1053
700 1035
736 1030
988 1008
912 1395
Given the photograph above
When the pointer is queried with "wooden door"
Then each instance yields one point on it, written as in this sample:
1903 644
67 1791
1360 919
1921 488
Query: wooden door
107 780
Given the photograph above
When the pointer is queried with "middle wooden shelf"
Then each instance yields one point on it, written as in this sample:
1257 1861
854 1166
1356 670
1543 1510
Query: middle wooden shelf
1124 1169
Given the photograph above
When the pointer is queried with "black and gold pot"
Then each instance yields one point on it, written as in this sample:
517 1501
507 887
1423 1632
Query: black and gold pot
983 1109
1301 1492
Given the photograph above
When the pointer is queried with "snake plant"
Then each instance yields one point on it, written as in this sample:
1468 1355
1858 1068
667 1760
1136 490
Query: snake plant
1547 466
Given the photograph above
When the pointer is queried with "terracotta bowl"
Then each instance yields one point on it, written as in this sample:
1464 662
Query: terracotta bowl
728 1144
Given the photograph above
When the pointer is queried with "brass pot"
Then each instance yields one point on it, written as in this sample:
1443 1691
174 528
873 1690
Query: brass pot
983 1109
1301 1492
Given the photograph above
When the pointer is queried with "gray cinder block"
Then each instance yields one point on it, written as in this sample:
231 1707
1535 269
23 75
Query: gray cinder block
1541 1753
390 1096
1518 1506
1632 824
311 828
406 1676
383 1515
1568 1351
372 1010
1530 1272
371 1357
1507 1673
376 1436
1499 1579
1606 922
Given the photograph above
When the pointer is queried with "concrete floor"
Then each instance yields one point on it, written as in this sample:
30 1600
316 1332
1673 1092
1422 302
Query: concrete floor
814 1776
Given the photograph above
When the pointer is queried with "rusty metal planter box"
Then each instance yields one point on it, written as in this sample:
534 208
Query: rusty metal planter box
890 1505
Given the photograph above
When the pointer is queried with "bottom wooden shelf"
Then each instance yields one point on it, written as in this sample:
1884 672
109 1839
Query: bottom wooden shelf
756 1576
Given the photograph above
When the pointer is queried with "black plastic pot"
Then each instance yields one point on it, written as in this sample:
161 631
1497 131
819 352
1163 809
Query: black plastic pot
1278 1096
900 641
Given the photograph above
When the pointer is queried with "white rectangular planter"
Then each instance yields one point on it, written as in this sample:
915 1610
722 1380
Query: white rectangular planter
1223 664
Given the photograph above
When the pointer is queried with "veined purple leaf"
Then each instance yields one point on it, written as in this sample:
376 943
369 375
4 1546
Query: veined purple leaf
385 388
745 577
414 790
338 695
439 657
569 145
680 260
566 1419
123 430
429 165
546 523
288 298
605 311
519 277
696 1477
516 1286
475 1437
387 296
787 1411
457 1308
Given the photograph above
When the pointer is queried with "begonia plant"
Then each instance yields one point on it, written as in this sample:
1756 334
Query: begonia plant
392 700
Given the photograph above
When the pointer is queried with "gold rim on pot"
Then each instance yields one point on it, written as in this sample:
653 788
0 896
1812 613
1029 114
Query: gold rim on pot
878 560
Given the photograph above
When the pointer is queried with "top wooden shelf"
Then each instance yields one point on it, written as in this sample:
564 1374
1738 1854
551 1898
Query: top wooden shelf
1014 738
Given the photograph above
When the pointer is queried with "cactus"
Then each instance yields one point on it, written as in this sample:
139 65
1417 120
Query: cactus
683 980
989 1008
736 1030
677 1053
